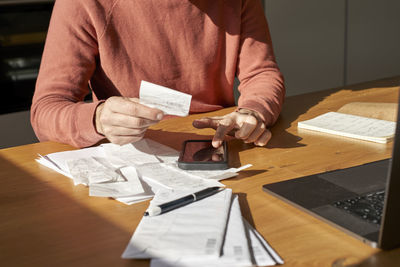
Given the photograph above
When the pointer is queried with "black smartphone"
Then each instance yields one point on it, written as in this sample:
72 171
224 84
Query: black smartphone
201 155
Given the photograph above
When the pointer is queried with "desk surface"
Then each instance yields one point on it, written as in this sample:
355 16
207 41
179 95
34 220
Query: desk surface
46 220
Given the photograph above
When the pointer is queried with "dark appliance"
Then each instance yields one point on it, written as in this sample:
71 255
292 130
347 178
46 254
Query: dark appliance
23 28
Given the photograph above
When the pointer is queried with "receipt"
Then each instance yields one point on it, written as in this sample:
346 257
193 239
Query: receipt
235 250
172 178
170 101
132 186
58 161
129 154
91 171
195 230
243 246
141 152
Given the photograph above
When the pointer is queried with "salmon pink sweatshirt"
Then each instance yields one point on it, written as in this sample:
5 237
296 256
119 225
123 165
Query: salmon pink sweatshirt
107 47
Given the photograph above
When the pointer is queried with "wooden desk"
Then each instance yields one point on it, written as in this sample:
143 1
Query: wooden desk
47 221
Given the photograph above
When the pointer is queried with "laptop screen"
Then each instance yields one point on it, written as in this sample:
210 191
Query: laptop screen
390 232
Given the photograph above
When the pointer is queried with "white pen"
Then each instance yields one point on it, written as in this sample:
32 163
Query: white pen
177 203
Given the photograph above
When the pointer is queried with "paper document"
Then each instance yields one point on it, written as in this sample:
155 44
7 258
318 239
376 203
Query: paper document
132 186
242 246
196 230
90 166
91 171
58 161
129 154
353 126
151 166
235 251
141 152
219 174
263 254
170 101
172 178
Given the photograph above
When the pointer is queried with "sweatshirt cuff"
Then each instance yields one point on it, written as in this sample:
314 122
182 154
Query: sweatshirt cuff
86 118
266 114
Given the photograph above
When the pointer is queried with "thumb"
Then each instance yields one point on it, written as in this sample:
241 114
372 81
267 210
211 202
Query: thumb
206 123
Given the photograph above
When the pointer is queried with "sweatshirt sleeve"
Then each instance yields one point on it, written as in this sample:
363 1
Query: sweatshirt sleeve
58 112
261 83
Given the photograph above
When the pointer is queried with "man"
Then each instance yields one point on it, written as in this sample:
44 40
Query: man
193 46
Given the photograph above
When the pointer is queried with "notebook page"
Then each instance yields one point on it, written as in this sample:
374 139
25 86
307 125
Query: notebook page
351 126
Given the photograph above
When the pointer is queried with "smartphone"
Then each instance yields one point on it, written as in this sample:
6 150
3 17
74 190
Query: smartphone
201 155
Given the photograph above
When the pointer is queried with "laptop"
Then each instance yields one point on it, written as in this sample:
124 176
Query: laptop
363 201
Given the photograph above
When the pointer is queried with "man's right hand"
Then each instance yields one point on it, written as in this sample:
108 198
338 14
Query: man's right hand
124 120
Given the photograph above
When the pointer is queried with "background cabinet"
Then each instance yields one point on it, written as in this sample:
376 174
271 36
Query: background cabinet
308 39
332 43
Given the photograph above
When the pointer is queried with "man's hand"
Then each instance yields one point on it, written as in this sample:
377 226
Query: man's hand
124 120
243 124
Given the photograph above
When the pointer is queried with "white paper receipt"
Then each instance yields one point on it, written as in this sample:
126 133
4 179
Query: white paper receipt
170 101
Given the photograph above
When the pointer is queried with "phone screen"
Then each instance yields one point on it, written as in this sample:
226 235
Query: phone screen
200 154
202 151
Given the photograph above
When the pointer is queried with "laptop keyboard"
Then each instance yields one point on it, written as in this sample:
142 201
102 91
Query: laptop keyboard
368 207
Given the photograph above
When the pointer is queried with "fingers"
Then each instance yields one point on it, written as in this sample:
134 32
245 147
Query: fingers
122 140
123 135
207 122
131 107
248 125
125 120
254 134
123 131
245 125
222 124
264 138
218 154
216 157
224 127
253 131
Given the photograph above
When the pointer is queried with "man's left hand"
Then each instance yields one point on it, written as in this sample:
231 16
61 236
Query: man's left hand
243 124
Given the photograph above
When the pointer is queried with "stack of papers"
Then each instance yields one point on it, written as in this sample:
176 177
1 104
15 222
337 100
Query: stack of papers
209 232
132 172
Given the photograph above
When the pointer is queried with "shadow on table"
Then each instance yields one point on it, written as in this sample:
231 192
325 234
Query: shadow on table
389 258
382 258
245 208
43 226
